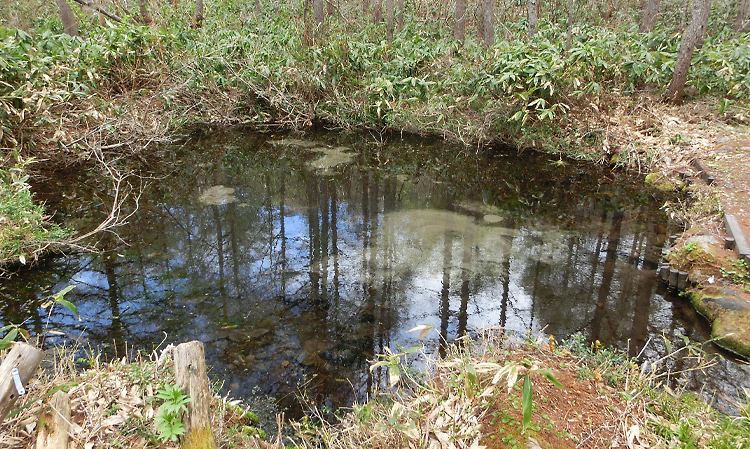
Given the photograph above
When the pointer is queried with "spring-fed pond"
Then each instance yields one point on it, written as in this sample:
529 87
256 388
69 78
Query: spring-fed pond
296 260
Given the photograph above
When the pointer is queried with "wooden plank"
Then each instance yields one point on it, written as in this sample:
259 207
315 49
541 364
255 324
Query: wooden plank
53 426
190 375
27 359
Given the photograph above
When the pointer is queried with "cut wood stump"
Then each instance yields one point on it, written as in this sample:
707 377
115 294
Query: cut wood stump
54 423
191 377
27 359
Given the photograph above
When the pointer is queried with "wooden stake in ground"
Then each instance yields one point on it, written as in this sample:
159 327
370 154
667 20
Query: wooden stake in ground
27 359
190 375
54 423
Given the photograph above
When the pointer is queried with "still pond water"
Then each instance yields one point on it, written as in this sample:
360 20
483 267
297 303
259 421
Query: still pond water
295 261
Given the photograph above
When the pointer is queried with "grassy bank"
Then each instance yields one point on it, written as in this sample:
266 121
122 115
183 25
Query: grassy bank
121 84
490 392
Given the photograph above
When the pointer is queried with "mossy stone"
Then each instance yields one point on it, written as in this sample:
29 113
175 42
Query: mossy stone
729 316
658 181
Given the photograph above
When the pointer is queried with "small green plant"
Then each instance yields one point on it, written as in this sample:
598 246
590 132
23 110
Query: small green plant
169 424
737 272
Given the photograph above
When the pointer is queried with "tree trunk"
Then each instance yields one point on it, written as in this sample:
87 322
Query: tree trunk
190 375
70 24
569 40
377 11
330 8
145 16
27 359
102 19
198 22
54 423
650 14
365 5
307 19
488 22
740 24
459 26
390 19
533 12
691 36
400 7
318 12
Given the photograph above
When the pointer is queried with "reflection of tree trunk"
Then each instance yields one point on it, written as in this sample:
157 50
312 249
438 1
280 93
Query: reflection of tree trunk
113 290
282 231
506 275
235 249
445 291
219 249
334 240
314 238
610 263
70 24
644 292
324 236
463 313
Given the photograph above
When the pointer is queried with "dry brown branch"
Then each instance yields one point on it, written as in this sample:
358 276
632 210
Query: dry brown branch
122 192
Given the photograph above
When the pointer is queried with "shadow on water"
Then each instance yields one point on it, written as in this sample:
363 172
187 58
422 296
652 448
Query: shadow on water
297 261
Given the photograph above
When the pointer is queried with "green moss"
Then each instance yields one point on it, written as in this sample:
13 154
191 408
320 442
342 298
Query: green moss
658 181
729 317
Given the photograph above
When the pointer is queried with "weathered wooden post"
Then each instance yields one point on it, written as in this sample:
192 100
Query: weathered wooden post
190 375
54 423
26 359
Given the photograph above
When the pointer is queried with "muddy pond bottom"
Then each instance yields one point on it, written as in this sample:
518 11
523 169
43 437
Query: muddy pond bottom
296 261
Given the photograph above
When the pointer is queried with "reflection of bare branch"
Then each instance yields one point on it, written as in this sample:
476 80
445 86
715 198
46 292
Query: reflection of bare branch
122 192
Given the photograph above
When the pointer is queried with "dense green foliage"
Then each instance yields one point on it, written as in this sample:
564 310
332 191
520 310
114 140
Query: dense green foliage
424 81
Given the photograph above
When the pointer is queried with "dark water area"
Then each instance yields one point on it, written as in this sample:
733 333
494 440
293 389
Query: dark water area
295 261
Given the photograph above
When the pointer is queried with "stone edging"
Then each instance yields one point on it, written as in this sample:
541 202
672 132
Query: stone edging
728 314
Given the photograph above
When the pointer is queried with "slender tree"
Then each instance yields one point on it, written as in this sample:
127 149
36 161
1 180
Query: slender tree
390 18
198 20
145 16
318 12
571 15
400 20
650 14
70 24
694 33
741 23
533 13
377 11
459 25
488 22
